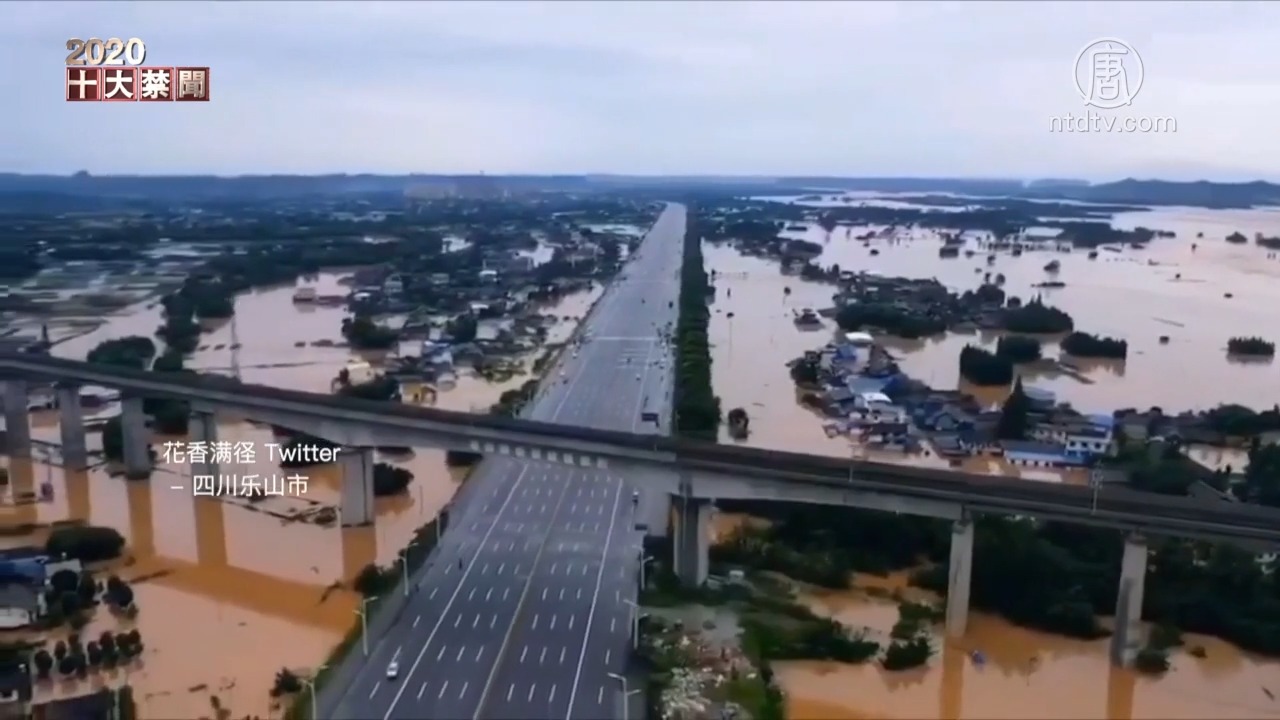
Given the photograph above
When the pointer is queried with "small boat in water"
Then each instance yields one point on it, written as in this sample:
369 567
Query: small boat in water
1052 266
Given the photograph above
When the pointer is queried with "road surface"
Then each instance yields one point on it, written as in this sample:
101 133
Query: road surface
525 612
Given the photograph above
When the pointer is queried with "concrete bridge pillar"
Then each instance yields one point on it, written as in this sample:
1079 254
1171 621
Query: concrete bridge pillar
79 500
203 428
960 570
359 550
136 439
357 486
692 546
1127 637
142 527
211 532
75 453
17 425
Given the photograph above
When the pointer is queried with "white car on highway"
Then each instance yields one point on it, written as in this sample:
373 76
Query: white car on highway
393 670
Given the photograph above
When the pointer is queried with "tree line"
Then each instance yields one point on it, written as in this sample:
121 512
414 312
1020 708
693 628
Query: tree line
697 409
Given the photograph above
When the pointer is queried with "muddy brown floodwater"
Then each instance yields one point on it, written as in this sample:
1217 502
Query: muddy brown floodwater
1136 295
230 594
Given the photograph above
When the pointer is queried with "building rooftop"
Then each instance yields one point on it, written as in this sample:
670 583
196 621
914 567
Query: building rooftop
1031 447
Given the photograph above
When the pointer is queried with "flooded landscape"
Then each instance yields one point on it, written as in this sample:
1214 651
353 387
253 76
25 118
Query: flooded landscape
1166 288
230 593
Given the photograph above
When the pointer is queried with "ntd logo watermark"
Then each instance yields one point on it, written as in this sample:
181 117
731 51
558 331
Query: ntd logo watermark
1092 122
1108 74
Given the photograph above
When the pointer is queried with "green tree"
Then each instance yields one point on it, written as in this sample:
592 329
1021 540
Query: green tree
1014 414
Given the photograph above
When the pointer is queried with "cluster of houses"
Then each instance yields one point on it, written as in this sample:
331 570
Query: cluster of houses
869 398
24 578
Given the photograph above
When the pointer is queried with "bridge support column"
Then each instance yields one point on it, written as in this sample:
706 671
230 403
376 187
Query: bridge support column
17 425
142 527
692 544
134 435
960 570
1127 637
357 486
75 453
203 428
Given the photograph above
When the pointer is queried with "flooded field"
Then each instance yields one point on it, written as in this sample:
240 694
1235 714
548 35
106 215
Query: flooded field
1024 674
1166 289
1138 295
229 594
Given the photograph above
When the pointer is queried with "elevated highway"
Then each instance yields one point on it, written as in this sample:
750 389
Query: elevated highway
705 470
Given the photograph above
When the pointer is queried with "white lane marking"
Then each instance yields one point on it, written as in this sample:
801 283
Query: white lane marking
535 621
561 594
441 653
434 590
524 595
416 618
392 707
562 651
461 649
479 652
607 654
613 625
510 689
374 691
472 595
488 594
553 622
600 696
532 688
552 697
544 594
570 622
543 657
443 687
422 690
475 623
463 691
604 555
506 592
457 620
493 620
501 567
524 652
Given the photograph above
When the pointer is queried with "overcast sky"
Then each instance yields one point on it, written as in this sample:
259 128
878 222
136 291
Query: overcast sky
858 89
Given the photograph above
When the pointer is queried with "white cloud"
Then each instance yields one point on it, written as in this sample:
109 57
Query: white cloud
862 88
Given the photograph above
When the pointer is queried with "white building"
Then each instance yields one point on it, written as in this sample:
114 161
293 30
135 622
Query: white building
877 407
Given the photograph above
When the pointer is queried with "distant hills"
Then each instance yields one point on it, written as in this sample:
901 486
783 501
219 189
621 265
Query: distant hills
39 190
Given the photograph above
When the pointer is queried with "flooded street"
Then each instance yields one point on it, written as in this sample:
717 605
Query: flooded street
230 593
1138 295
